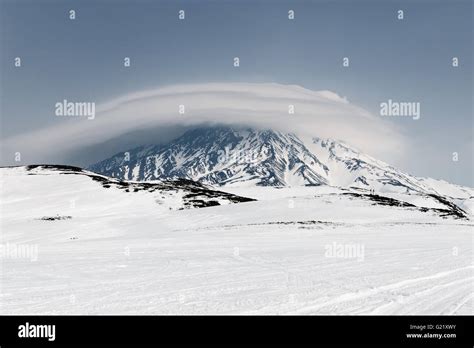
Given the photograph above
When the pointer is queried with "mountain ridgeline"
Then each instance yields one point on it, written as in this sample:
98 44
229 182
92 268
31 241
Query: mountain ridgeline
223 156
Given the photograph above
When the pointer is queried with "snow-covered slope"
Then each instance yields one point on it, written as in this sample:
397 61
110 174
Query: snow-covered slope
245 157
46 187
305 250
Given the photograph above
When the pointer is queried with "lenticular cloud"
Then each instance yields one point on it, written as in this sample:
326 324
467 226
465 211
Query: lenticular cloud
321 114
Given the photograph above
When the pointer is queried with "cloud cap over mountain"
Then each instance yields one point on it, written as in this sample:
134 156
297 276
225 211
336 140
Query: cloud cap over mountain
260 105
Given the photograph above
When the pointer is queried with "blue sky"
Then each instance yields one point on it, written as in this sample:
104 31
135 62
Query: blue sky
408 60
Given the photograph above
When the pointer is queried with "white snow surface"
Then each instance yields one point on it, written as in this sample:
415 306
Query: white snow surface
125 253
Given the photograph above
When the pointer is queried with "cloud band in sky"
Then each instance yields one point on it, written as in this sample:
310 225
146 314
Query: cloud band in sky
322 114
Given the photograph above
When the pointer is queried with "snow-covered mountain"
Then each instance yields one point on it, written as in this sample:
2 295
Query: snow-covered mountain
244 157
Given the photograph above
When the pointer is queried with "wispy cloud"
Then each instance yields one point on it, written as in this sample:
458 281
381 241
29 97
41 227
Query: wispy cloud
261 105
